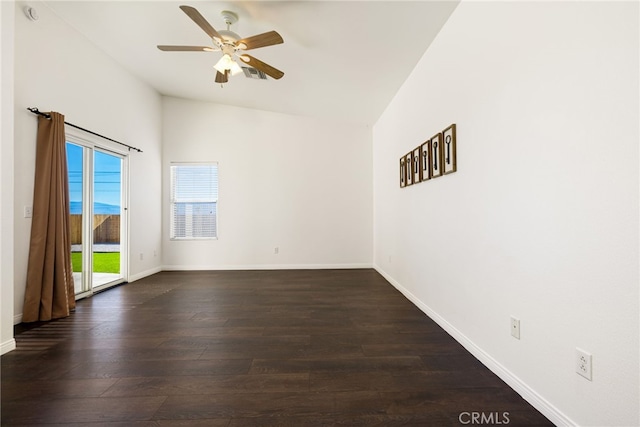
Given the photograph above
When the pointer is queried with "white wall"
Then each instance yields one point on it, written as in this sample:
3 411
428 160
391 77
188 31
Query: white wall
541 220
290 182
58 69
7 342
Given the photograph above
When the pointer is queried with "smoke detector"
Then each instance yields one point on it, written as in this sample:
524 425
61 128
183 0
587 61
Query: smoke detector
31 13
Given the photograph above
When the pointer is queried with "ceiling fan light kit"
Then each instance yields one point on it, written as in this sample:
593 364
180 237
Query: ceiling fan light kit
231 45
226 63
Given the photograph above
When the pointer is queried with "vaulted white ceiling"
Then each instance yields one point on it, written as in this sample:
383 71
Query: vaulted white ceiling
342 60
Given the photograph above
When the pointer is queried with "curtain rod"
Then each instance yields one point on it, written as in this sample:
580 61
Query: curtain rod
48 116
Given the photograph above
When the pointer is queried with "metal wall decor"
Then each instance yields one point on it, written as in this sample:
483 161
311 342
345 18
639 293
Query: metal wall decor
434 158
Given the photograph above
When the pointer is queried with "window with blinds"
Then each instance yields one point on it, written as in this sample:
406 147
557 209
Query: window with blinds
194 201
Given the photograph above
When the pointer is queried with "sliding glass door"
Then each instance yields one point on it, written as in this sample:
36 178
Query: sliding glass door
76 169
98 223
107 218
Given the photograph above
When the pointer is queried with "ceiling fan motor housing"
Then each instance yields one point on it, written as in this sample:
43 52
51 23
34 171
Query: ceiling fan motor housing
229 36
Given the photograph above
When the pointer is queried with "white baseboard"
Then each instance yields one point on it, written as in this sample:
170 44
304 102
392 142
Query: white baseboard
142 275
17 319
265 267
527 393
7 346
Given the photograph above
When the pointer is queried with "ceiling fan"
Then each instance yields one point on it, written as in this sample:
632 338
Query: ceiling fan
231 45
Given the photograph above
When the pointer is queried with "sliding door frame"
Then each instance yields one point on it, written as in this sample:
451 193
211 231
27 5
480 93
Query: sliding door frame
91 145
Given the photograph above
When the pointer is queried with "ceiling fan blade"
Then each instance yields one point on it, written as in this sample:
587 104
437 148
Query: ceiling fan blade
202 23
172 48
222 78
261 40
259 65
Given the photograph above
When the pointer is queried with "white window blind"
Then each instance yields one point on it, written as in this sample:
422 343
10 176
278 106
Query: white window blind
194 200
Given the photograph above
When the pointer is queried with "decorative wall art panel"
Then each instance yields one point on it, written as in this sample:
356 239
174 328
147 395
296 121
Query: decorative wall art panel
436 155
449 149
425 156
408 160
432 159
416 166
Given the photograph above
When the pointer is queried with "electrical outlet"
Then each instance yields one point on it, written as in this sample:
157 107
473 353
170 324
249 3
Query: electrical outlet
515 327
28 211
141 256
583 363
276 250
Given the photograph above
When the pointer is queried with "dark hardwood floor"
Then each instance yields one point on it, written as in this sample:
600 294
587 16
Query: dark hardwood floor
250 348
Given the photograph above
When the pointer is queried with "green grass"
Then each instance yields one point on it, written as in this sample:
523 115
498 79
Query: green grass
103 262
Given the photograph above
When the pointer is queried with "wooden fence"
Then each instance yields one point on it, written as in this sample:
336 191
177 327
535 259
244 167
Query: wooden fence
106 229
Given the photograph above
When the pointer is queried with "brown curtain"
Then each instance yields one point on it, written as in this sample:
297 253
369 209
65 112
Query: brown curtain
50 292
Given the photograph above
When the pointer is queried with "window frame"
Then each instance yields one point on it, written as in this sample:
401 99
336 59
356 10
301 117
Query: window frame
172 201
